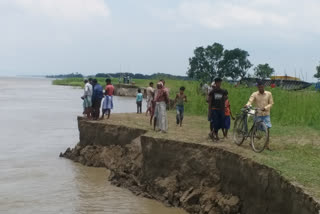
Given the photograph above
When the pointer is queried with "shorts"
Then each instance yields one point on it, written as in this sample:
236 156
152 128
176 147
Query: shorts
227 122
265 119
217 119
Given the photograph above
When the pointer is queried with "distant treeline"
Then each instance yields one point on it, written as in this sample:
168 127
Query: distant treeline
120 75
72 75
143 76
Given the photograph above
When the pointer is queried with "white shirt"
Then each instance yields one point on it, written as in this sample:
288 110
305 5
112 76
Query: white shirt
150 90
88 90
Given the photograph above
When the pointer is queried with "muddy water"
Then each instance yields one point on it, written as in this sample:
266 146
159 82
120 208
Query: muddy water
38 121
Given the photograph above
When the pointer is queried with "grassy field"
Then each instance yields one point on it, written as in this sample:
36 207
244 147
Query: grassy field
295 152
292 108
294 136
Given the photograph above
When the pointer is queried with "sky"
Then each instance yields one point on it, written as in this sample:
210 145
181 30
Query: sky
41 37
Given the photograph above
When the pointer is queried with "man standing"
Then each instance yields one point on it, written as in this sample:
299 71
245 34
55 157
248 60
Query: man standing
87 98
217 108
150 92
96 99
108 100
162 98
263 100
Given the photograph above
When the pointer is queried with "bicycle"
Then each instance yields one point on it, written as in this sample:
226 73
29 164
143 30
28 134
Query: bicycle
258 133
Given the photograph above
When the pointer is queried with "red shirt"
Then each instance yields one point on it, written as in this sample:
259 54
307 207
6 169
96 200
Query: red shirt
109 90
227 108
162 95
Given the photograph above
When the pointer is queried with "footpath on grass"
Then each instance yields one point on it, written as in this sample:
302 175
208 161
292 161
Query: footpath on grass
186 169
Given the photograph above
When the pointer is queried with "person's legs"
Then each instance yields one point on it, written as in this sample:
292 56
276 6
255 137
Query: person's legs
267 121
181 115
154 123
178 115
226 126
219 118
108 112
140 107
94 109
98 108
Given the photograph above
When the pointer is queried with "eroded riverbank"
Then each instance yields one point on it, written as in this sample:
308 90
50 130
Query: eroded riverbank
196 177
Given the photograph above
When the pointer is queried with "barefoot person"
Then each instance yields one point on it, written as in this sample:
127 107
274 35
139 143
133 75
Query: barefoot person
150 92
108 100
179 101
216 108
263 100
87 99
161 100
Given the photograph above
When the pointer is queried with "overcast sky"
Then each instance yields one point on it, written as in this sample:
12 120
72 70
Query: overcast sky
145 36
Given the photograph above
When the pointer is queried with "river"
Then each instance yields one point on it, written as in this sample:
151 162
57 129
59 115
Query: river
38 121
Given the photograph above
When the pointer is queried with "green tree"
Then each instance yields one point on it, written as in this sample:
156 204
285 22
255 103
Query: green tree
317 75
205 64
235 63
263 71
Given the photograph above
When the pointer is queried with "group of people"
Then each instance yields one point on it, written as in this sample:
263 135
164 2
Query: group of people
93 96
219 113
157 105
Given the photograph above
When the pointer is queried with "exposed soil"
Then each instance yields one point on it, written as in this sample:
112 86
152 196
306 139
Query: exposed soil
198 178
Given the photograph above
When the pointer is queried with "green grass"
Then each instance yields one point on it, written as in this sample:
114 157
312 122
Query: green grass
291 108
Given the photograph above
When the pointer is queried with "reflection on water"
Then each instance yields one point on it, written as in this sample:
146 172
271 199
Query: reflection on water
38 121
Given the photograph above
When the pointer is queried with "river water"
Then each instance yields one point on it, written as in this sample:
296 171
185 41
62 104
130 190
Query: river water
38 121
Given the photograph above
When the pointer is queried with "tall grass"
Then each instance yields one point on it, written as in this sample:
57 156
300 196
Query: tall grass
291 108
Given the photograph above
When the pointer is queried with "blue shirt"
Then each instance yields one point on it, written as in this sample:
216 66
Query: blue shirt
139 97
97 92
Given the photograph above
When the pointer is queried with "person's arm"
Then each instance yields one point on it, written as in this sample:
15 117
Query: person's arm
166 97
86 90
209 105
251 99
210 101
270 103
175 100
185 98
231 112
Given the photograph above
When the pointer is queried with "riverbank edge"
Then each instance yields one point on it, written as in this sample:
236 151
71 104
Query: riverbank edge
198 178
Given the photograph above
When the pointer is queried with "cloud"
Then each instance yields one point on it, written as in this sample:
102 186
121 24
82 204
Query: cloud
284 15
66 9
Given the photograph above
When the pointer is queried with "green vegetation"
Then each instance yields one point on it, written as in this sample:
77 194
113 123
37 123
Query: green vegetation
263 71
317 75
294 136
292 108
215 61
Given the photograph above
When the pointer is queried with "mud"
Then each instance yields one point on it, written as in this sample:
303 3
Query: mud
199 178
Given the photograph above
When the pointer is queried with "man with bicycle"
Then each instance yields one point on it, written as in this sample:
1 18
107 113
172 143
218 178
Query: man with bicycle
263 100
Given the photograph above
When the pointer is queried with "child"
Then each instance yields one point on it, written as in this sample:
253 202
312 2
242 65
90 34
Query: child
227 115
139 101
179 101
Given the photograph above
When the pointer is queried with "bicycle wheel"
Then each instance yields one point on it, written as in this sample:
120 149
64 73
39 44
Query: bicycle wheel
239 131
259 136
